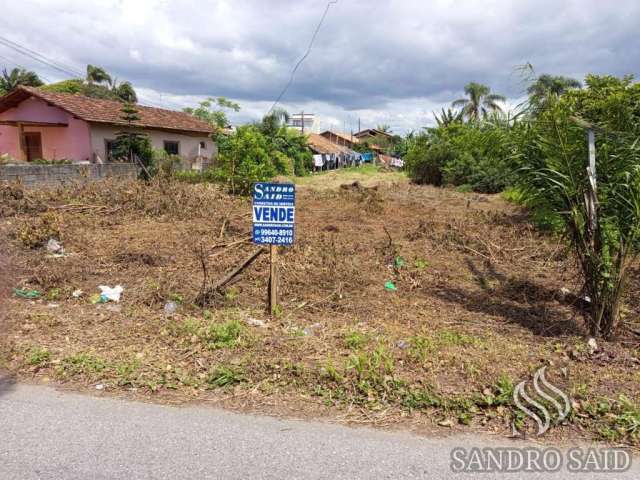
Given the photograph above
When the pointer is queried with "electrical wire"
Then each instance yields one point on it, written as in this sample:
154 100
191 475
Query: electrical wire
40 58
306 54
12 62
61 67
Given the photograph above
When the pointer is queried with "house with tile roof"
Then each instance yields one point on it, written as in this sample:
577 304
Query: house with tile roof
340 138
35 124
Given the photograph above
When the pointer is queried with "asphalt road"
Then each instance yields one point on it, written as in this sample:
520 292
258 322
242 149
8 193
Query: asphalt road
47 434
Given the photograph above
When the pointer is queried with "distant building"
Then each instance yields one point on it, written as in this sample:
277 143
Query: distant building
303 122
375 139
344 139
35 125
371 133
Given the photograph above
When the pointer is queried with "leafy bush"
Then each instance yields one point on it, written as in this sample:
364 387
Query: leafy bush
163 164
554 179
244 159
475 154
425 161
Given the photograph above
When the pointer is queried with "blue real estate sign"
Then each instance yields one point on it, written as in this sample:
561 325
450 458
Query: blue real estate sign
274 213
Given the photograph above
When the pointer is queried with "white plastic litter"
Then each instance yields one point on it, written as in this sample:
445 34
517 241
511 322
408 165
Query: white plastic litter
170 308
255 322
54 246
77 293
108 294
592 345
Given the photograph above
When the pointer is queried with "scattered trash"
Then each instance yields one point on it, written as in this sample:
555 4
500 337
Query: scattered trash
565 291
109 294
26 293
254 322
77 293
402 345
55 247
53 305
399 262
446 423
390 286
170 308
96 298
586 298
592 345
100 386
312 329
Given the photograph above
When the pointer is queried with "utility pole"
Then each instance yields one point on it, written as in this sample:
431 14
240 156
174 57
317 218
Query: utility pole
302 117
591 171
359 130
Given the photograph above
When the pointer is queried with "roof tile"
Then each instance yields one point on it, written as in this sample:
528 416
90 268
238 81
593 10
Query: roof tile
108 111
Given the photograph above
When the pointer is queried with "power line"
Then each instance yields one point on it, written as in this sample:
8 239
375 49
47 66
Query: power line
39 57
12 62
62 67
293 72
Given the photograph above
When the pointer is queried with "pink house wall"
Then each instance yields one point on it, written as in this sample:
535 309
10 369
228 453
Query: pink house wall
72 142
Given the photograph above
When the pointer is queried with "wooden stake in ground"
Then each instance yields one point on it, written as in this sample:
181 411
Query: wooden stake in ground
273 279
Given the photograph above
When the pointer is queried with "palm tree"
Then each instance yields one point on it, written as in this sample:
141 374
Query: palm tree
97 75
448 117
384 128
480 102
18 76
124 91
549 86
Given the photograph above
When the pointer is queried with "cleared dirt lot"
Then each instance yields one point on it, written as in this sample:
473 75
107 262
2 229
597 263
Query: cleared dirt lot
477 307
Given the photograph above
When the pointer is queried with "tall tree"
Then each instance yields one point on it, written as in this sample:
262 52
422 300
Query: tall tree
448 117
272 122
124 91
97 75
480 101
18 76
384 128
549 86
214 111
131 145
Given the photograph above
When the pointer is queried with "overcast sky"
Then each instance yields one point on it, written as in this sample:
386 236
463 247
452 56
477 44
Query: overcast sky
383 61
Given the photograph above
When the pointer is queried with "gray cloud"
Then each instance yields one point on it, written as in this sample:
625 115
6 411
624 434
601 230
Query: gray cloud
390 61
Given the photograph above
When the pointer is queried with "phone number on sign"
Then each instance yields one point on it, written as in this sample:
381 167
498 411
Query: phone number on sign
274 232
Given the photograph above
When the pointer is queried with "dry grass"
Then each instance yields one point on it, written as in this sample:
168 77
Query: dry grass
477 307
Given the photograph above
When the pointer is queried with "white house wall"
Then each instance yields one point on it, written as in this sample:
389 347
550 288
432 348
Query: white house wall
188 145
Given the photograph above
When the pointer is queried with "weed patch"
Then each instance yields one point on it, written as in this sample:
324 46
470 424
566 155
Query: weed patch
224 377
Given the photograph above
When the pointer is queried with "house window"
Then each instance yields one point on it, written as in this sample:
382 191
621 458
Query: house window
203 146
172 148
109 148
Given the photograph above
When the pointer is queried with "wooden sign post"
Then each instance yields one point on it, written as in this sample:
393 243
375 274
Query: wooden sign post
273 279
274 208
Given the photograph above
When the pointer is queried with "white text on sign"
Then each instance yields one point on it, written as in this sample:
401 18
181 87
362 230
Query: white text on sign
273 214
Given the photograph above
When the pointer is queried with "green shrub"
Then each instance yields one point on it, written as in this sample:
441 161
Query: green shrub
224 377
555 181
425 161
221 335
244 159
38 356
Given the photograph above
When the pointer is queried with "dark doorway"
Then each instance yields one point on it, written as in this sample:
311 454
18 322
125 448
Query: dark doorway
33 145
